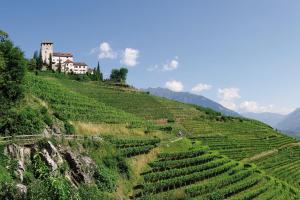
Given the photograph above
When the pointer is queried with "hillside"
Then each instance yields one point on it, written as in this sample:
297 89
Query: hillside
271 119
186 97
291 123
149 148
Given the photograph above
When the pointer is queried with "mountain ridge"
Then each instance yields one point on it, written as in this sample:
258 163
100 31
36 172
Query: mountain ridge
186 97
291 123
269 118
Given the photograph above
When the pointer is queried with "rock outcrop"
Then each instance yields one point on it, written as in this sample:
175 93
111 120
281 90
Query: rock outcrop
19 154
81 168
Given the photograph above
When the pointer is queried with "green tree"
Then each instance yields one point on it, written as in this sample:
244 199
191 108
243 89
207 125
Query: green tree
114 75
50 62
12 71
119 75
3 36
123 74
39 61
59 66
98 73
36 55
32 64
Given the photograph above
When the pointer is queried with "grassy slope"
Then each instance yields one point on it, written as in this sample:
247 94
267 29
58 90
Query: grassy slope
235 138
132 101
74 106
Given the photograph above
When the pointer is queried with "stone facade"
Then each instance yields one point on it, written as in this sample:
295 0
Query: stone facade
65 60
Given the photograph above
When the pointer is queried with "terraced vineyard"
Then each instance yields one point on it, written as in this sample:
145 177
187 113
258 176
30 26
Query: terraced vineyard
133 147
211 172
132 101
204 174
74 106
284 164
235 140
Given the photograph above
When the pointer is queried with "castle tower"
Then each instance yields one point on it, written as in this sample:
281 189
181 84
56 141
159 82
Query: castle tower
46 50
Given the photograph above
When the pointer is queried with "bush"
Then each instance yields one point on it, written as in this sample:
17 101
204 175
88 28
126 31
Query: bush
26 121
48 120
91 193
9 191
105 179
166 128
69 128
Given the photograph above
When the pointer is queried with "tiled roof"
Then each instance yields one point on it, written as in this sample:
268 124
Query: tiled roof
68 61
47 42
60 54
79 64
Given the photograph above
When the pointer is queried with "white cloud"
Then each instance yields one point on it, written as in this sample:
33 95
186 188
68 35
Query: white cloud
228 96
171 65
105 51
130 57
175 86
253 106
228 104
200 87
229 93
153 68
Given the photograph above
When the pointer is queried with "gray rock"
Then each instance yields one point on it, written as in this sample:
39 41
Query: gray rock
54 153
49 161
56 129
22 189
17 153
75 165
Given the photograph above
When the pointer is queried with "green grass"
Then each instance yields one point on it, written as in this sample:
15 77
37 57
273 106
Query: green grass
131 101
235 138
74 106
205 174
284 165
225 140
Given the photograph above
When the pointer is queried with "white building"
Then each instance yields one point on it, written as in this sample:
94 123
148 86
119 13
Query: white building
65 60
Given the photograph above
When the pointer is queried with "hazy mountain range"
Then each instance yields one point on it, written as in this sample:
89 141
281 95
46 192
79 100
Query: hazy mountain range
271 119
186 97
291 123
288 123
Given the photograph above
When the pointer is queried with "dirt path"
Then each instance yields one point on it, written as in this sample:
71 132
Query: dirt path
177 139
270 152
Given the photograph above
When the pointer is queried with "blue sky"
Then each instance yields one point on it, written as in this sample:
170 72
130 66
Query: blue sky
243 54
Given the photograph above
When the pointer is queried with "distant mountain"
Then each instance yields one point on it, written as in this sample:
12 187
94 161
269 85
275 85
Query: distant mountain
291 123
271 119
186 97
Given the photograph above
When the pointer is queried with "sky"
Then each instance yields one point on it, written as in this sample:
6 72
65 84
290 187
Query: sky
242 54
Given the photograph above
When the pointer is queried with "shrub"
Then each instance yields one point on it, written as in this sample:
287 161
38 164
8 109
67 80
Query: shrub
48 120
91 192
69 128
26 121
105 179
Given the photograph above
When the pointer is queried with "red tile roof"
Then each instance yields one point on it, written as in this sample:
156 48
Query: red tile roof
79 64
60 54
68 61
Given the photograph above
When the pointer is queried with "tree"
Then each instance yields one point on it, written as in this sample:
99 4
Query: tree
32 64
39 62
50 62
119 75
123 74
59 66
98 74
12 71
3 36
36 55
114 75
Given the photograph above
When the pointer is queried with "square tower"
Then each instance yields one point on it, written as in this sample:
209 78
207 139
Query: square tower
46 51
